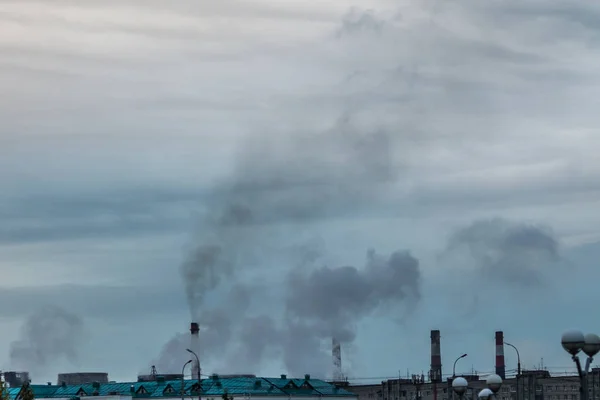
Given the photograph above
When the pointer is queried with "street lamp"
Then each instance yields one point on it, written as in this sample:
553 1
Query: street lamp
454 374
199 379
459 386
575 341
454 366
518 367
485 394
494 383
182 381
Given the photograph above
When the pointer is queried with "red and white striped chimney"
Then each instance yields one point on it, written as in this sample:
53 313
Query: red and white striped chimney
436 357
500 367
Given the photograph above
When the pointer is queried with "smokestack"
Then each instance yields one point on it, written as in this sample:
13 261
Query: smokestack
436 357
195 347
336 356
500 367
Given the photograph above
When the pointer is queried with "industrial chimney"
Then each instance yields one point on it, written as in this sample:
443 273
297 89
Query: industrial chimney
436 358
500 367
195 347
336 356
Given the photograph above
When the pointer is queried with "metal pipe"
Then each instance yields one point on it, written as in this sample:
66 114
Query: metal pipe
518 366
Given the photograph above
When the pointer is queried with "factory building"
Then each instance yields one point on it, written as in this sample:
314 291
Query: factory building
531 385
213 388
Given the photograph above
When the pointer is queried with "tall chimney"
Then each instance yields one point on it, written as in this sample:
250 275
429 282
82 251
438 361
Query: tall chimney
436 358
336 356
195 347
500 367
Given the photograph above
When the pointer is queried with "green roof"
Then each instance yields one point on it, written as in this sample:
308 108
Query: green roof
211 387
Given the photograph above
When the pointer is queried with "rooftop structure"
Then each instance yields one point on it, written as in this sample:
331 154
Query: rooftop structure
213 388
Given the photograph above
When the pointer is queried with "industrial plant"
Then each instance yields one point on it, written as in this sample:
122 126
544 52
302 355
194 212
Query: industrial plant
525 385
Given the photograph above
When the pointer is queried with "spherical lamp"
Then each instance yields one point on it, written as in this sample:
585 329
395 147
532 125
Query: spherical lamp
494 382
573 342
591 347
459 385
485 394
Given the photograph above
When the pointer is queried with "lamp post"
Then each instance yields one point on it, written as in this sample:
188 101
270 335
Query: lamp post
454 375
575 341
182 380
485 394
459 386
454 366
494 383
199 379
518 367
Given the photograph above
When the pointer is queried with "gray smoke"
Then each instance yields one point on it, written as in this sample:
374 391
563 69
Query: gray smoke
325 302
48 335
217 329
280 179
328 302
512 252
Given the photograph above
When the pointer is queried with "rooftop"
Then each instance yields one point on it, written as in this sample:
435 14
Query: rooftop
212 387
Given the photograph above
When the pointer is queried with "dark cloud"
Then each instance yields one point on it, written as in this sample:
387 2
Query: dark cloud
516 253
47 336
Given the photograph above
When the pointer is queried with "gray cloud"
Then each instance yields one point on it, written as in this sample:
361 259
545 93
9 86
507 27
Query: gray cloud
516 253
389 122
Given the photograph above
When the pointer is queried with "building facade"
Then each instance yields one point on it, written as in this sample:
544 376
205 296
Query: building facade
531 385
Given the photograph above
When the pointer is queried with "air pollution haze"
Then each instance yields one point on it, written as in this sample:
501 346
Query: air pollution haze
286 181
289 178
48 335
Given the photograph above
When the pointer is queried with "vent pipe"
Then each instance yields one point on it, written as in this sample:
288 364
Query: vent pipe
436 357
336 356
500 367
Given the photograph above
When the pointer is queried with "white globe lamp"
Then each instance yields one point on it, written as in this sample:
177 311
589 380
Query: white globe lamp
494 383
459 385
573 342
591 347
485 394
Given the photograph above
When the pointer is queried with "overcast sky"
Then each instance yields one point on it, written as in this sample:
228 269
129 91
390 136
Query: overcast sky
462 135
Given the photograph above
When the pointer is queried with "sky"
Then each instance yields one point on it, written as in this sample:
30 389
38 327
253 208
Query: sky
288 171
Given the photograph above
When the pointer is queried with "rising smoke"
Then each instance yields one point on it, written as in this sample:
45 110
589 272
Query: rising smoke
47 336
328 302
290 180
515 253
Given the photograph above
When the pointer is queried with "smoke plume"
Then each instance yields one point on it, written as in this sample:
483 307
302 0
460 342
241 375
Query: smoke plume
280 179
46 336
328 302
512 252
